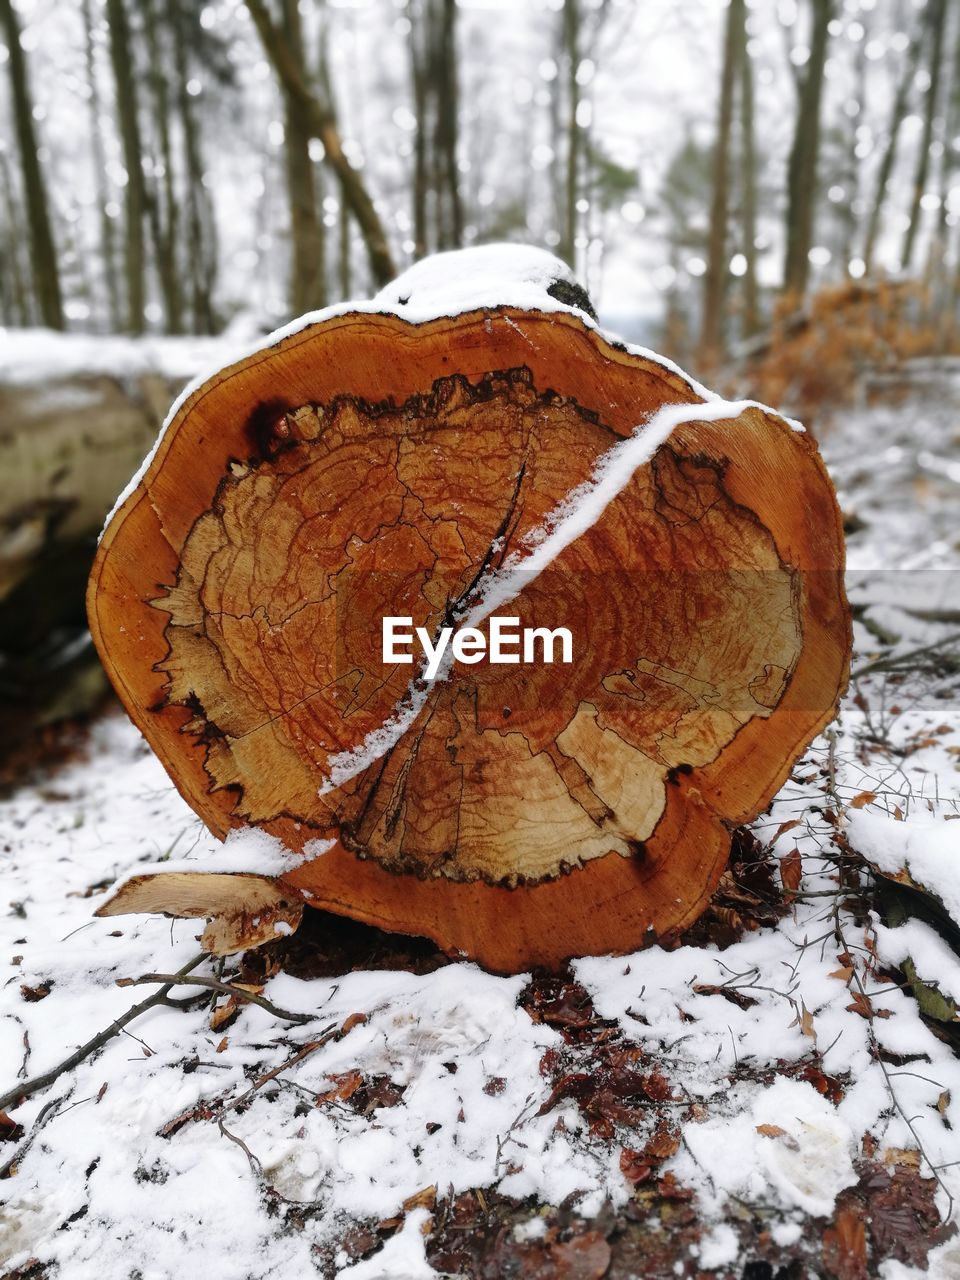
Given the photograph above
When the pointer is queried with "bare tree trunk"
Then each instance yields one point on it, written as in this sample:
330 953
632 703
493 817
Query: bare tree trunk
449 209
345 265
16 295
937 278
715 280
135 196
748 165
307 275
897 113
43 257
201 238
849 214
571 46
802 167
317 119
107 231
163 224
419 57
936 15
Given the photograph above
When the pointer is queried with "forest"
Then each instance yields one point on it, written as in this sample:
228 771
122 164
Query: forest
175 168
342 344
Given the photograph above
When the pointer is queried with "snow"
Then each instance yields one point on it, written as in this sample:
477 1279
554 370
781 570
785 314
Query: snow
101 1193
402 1255
446 284
40 357
928 850
936 963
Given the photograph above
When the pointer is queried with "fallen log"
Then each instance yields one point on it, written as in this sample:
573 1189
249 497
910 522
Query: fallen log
78 413
467 457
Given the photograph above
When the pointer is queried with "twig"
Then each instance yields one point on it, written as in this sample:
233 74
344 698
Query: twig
213 984
19 1093
894 662
47 1112
255 1164
331 1033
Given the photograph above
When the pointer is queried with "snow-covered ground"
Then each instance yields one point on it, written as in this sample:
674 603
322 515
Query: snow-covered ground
770 1092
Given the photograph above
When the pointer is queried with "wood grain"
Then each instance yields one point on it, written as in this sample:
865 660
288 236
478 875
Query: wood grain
368 467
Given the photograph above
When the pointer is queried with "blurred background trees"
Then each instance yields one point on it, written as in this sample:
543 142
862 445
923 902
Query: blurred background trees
174 167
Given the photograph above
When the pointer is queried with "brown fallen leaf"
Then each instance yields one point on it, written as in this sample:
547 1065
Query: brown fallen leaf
426 1198
33 994
345 1086
224 1014
907 1157
355 1020
861 1004
664 1144
634 1167
844 974
585 1257
784 827
804 1020
10 1130
771 1130
864 798
845 1247
791 872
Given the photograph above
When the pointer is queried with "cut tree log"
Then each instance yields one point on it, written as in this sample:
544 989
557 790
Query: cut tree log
495 461
78 414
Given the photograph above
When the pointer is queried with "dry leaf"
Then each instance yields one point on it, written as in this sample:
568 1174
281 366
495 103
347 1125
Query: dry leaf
865 797
345 1086
845 1247
423 1199
844 974
791 872
33 994
804 1020
355 1020
224 1014
943 1102
634 1167
10 1129
784 827
908 1157
222 1045
771 1130
862 1005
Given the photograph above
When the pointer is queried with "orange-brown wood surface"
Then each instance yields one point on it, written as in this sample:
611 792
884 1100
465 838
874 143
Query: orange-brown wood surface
367 467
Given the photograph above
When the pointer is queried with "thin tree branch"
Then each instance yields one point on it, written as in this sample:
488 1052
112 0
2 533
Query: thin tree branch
213 984
20 1092
894 662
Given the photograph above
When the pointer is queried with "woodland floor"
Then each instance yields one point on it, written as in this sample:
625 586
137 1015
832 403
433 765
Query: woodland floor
778 1096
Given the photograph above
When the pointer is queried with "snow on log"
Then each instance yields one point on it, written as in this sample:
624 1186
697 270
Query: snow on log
469 456
78 413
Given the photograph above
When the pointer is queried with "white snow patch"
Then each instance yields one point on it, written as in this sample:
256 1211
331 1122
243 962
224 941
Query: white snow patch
805 1169
928 850
403 1257
719 1247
